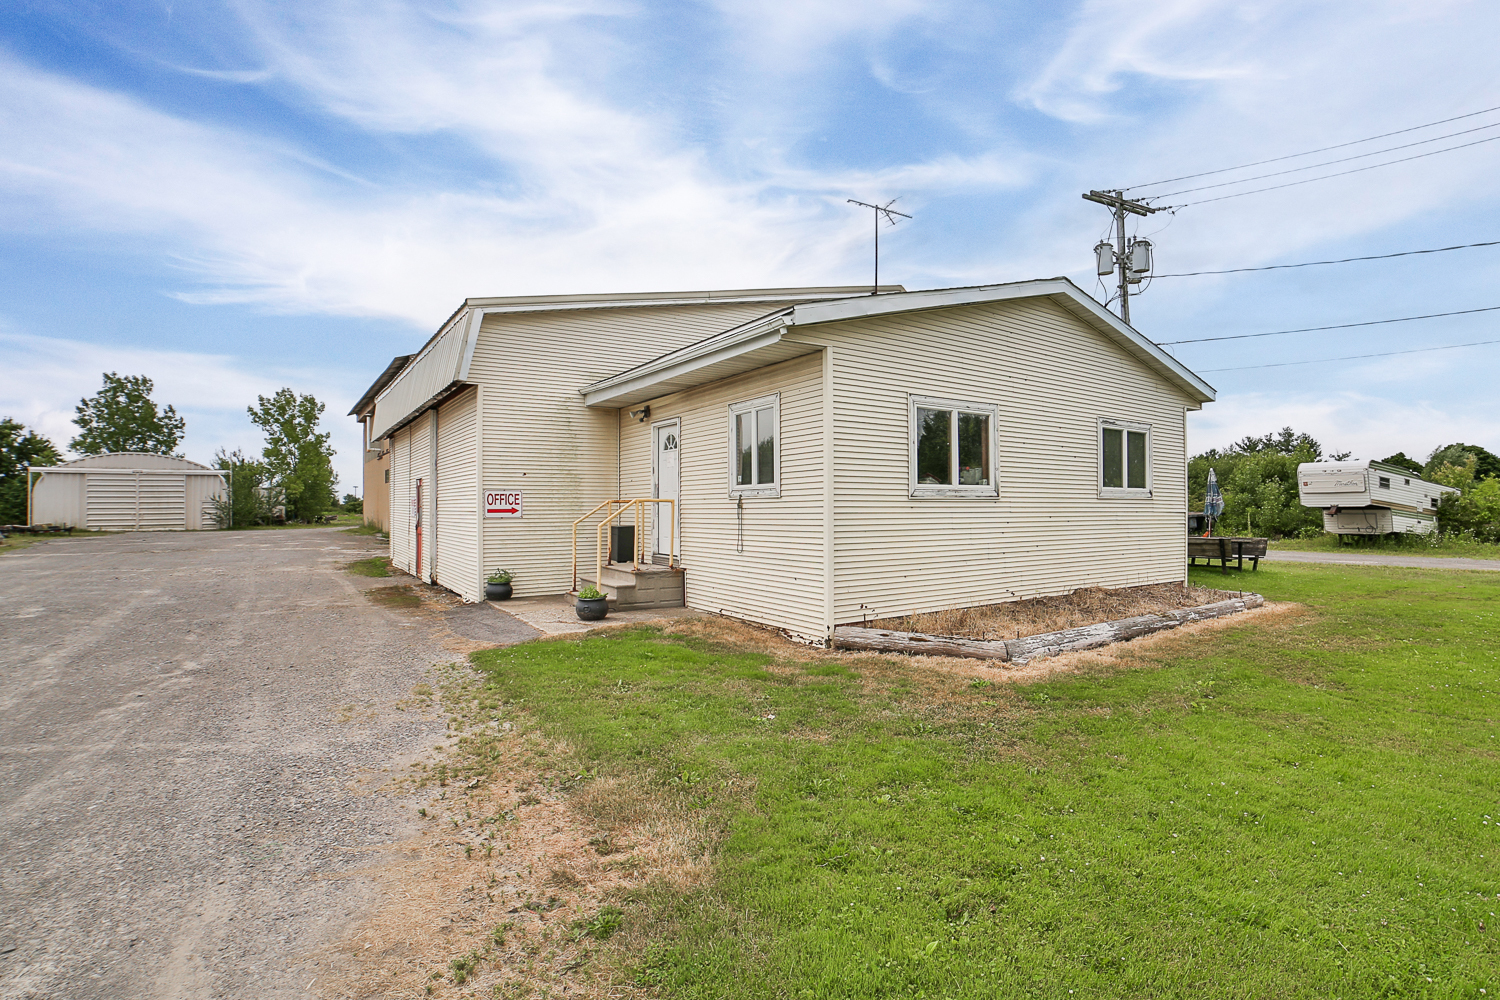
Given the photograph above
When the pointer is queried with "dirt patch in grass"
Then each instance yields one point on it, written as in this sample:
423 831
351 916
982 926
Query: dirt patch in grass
533 880
1088 606
402 598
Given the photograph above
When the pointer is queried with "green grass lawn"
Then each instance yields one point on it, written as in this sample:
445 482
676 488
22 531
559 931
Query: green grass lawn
1412 546
1304 807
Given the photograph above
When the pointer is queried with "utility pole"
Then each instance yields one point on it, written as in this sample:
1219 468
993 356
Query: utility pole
1131 260
887 211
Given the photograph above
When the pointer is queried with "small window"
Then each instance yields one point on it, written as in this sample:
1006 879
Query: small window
755 447
388 475
1385 482
1124 459
952 448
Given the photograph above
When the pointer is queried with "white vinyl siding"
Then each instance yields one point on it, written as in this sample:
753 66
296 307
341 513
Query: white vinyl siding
398 524
1049 532
457 498
759 558
541 440
755 447
411 453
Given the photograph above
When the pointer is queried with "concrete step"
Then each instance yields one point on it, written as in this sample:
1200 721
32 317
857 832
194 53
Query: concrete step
647 587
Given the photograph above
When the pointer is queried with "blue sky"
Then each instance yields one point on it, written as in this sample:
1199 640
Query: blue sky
232 197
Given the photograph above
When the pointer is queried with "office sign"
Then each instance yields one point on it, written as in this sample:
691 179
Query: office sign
502 503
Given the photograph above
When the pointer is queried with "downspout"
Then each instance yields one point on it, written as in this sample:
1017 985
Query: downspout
829 549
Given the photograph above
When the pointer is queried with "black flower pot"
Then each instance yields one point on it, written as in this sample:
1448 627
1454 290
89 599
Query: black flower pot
497 591
591 610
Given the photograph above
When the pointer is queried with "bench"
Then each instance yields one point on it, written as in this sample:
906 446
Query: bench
1225 549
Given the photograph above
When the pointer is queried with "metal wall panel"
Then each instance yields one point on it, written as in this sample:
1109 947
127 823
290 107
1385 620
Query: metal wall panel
427 375
1052 378
111 501
457 499
772 571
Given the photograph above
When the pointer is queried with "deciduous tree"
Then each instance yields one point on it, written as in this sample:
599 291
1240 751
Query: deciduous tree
19 448
122 416
298 455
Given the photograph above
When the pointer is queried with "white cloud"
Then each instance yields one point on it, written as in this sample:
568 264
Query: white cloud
47 376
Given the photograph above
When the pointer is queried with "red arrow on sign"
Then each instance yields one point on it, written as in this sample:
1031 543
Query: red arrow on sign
502 510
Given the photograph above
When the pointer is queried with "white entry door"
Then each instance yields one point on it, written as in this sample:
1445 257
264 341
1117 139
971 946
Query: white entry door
666 483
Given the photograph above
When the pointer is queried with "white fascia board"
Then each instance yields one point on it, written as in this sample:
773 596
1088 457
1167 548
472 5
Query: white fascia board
813 313
672 366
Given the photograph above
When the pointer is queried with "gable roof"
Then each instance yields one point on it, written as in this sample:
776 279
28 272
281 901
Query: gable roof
764 341
442 365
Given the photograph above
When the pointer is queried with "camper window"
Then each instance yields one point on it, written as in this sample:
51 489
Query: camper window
1124 459
952 448
1385 482
754 447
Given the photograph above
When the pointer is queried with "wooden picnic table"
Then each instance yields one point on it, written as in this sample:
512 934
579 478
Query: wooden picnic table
1226 548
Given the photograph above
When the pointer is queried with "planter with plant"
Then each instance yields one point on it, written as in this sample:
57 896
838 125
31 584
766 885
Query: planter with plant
497 585
591 604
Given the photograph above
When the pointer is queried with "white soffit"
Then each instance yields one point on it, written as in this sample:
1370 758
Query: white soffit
761 342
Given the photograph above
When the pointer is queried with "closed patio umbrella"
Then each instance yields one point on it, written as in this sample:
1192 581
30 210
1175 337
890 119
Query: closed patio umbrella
1213 500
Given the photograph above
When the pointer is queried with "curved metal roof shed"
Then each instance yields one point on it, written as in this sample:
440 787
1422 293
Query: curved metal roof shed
127 491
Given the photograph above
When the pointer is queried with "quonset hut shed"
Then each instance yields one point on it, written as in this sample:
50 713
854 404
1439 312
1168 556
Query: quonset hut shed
127 491
830 455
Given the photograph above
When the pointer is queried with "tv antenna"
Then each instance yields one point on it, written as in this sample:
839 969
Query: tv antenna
889 213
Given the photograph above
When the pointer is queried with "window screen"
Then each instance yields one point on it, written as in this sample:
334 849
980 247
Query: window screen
934 447
1114 458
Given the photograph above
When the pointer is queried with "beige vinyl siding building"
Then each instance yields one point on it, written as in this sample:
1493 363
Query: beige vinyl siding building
836 456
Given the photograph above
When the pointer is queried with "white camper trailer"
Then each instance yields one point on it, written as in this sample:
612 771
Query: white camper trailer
1361 497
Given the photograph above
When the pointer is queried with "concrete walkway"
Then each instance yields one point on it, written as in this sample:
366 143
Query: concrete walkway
555 615
1384 559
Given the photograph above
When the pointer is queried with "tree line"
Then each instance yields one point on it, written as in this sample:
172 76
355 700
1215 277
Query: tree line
1258 477
292 476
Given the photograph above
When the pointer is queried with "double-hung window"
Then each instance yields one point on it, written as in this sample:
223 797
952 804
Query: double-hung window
952 448
1124 459
755 447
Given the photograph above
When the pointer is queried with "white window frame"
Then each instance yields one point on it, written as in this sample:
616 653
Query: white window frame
1122 492
955 491
773 488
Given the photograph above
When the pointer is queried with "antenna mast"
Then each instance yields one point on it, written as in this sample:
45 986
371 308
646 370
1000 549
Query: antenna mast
889 213
1131 259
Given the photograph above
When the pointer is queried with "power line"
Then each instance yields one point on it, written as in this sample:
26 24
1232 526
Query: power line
1352 357
1339 326
1340 173
1310 152
1329 163
1342 260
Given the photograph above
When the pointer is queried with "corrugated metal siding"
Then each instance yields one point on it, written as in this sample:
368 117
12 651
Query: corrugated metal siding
458 498
541 439
58 498
162 503
201 491
420 468
400 530
428 374
111 501
778 579
1048 532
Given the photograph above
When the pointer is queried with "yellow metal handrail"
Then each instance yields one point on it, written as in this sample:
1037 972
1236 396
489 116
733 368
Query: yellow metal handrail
638 507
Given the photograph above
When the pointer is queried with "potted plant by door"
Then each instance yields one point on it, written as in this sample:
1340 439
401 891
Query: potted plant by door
497 585
591 604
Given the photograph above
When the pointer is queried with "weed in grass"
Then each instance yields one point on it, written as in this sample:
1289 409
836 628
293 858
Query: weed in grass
463 967
374 566
1293 807
601 926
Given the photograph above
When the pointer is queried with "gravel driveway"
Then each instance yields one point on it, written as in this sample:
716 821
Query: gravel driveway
193 731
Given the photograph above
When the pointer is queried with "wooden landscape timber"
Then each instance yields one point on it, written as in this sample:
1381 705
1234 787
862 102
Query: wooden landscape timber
1031 647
